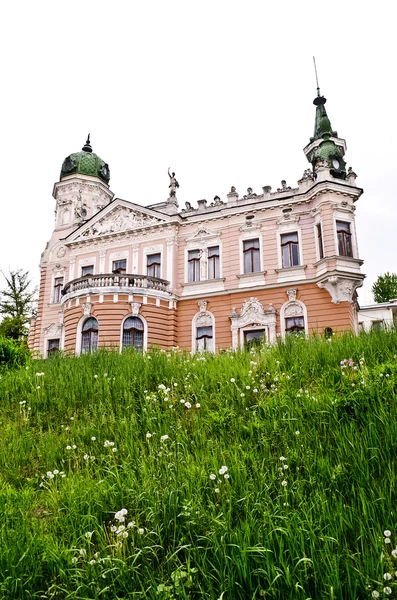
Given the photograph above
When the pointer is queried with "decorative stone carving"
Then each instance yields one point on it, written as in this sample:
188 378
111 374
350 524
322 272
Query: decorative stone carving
217 201
307 176
120 219
86 306
293 309
135 308
284 187
340 289
250 194
53 331
173 184
203 305
291 293
60 317
321 165
252 312
61 252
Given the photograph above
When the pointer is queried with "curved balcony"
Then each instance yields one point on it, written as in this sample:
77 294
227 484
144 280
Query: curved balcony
114 283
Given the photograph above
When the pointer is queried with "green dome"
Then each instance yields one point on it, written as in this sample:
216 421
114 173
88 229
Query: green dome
85 162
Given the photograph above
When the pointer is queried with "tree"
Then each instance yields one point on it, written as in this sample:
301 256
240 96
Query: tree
385 287
16 304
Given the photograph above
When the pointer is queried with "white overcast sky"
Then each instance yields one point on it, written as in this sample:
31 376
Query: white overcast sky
221 91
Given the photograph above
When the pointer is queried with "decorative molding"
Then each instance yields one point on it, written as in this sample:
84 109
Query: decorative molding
340 289
120 219
203 305
252 312
291 293
86 306
61 252
135 308
53 331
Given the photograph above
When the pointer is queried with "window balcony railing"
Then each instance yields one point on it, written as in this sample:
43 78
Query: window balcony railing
112 280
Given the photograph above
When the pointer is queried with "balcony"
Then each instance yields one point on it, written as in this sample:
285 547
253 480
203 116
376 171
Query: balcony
114 284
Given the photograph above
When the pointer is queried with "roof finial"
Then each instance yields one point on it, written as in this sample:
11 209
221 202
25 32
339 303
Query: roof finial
319 100
315 70
87 145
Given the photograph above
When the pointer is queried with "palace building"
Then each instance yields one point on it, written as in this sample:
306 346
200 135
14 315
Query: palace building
211 277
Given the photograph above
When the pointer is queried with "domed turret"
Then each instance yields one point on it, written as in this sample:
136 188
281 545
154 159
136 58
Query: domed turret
85 162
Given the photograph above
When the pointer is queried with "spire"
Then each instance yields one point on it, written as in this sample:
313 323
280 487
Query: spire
322 124
87 146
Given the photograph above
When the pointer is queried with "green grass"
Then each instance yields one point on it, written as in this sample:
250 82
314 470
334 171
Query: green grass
312 530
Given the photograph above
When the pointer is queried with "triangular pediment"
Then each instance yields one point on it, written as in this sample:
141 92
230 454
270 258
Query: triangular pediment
119 216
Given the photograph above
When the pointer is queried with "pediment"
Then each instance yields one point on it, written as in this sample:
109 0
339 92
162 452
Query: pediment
117 218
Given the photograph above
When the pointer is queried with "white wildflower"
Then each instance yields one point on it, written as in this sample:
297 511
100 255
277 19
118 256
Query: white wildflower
284 483
148 435
141 531
164 437
387 533
387 576
387 590
213 476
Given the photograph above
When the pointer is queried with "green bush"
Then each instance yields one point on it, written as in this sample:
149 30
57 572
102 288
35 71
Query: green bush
12 353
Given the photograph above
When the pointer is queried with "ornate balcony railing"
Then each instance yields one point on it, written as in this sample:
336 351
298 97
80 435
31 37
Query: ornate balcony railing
112 280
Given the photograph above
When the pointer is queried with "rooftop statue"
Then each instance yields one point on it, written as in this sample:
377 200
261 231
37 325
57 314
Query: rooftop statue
173 184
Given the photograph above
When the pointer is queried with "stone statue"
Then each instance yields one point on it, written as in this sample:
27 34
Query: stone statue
173 184
80 208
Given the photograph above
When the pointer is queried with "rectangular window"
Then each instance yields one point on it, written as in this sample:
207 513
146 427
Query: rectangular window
153 265
290 250
88 270
254 337
119 266
295 325
344 238
252 263
320 241
194 265
213 262
204 339
377 325
58 286
52 347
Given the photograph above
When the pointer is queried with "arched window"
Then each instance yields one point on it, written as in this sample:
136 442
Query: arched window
89 335
133 330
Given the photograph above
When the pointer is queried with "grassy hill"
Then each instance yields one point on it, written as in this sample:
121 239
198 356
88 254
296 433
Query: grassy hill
263 474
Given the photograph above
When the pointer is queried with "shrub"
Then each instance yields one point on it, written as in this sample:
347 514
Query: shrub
12 354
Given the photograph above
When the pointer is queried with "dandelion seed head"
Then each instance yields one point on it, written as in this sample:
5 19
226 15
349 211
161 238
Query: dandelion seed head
387 533
387 576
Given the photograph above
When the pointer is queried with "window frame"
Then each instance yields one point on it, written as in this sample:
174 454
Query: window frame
205 337
294 329
255 254
57 289
156 265
341 243
92 339
213 263
290 244
320 242
89 273
133 330
193 273
52 351
119 270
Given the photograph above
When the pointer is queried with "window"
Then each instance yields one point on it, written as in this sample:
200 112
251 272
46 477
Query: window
89 335
204 339
87 271
328 332
377 325
254 337
119 266
294 325
344 238
213 262
52 347
133 333
320 241
290 250
153 265
58 286
252 263
194 265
